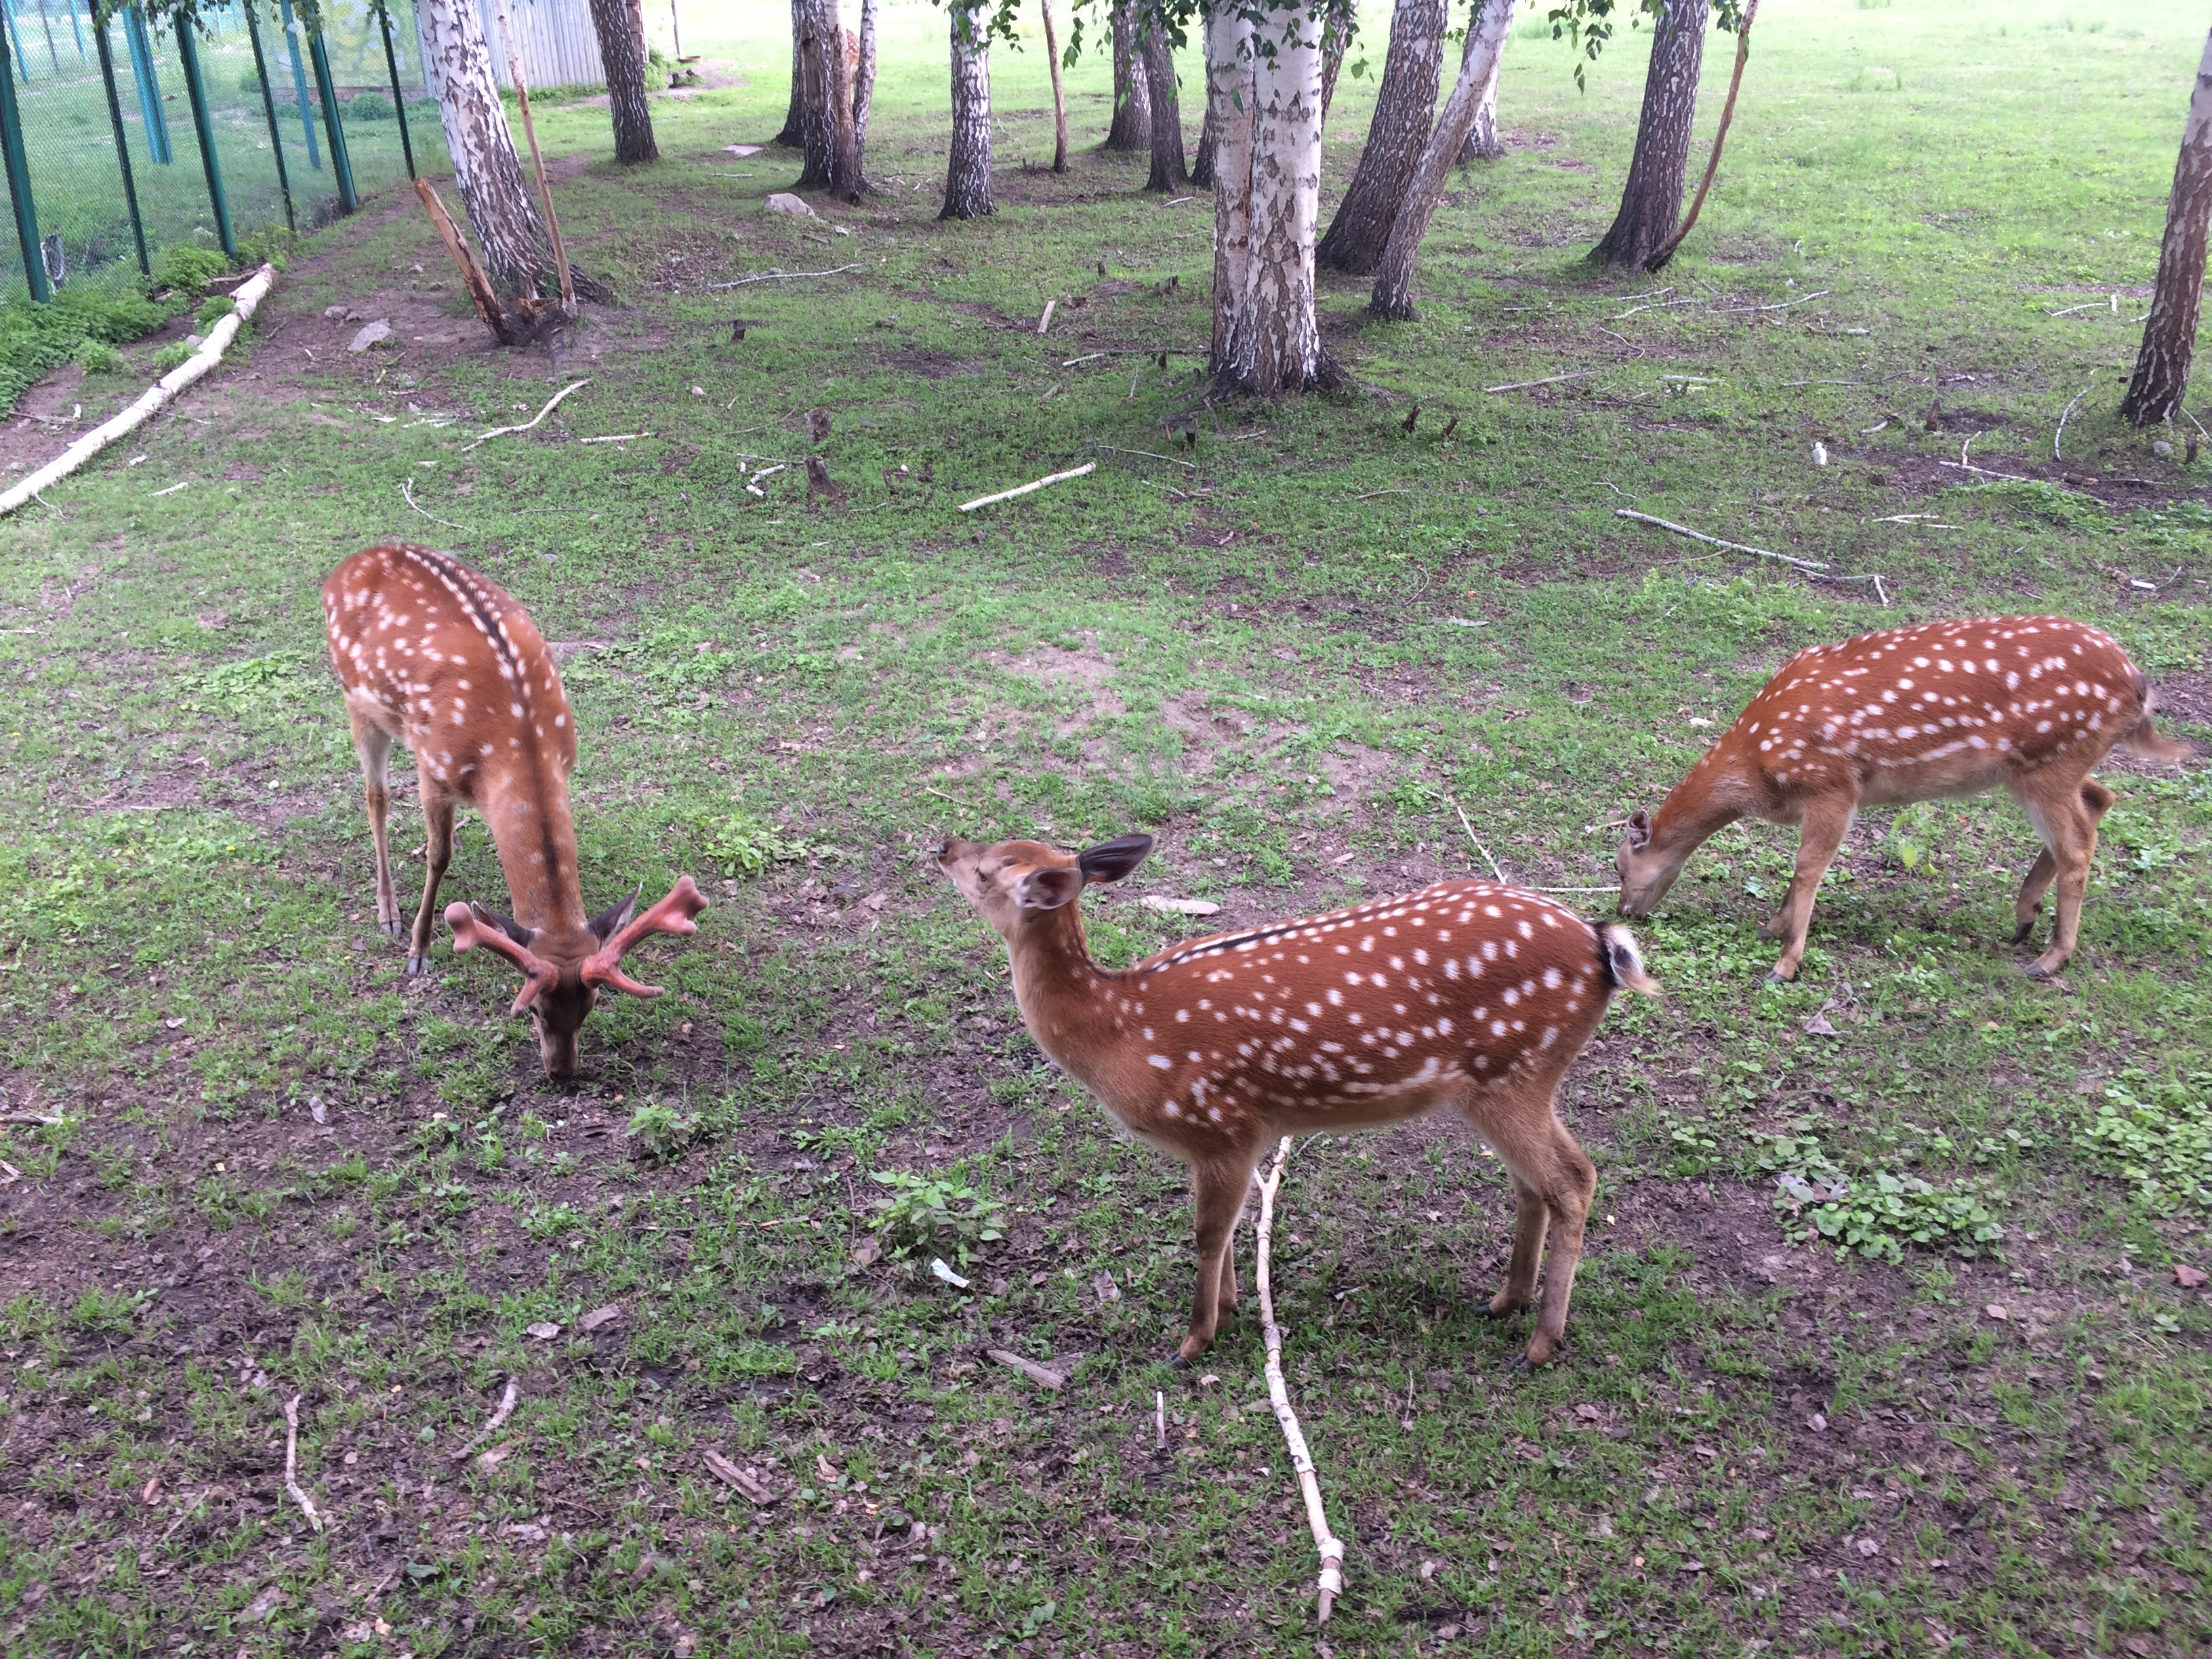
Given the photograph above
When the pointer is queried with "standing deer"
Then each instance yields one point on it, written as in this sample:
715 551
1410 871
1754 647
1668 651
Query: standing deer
1910 714
1466 994
432 653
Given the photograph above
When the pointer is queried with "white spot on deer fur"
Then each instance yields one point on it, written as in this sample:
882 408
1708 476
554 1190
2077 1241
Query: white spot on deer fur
1160 1060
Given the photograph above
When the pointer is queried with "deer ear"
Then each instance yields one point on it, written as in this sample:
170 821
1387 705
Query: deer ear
1047 888
1110 860
1640 829
611 918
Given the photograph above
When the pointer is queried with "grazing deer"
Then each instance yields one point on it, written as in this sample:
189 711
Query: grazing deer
1466 994
1910 714
431 652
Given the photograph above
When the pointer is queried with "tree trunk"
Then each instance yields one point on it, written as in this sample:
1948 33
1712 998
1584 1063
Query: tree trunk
1209 140
1486 30
1273 342
2161 375
458 65
792 135
1651 201
1059 93
1169 171
1228 112
864 83
832 155
1132 126
621 50
1405 110
1340 22
1482 144
968 174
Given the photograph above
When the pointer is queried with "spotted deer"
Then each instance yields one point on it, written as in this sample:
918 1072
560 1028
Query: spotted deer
1467 994
432 653
2030 703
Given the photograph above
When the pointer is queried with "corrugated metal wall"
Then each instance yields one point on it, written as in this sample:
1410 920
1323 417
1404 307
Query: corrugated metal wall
558 45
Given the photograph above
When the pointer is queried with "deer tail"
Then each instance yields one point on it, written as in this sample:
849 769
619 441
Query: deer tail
2143 739
1622 961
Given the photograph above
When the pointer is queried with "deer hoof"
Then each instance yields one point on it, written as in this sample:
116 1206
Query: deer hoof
1521 1361
1485 1309
1175 1362
390 929
1776 976
2019 933
2035 970
417 966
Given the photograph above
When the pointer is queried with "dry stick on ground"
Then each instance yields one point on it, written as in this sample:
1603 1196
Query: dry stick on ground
1666 250
1715 541
407 494
292 1463
502 431
537 160
1551 379
2058 437
1479 847
1023 489
507 1402
1331 1547
1160 1418
782 277
1028 1368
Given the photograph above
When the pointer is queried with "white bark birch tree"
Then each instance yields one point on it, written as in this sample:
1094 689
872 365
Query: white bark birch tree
1404 108
2162 372
1483 143
456 63
1486 30
864 83
968 171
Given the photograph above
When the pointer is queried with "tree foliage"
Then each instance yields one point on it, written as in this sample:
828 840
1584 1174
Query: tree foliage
1588 25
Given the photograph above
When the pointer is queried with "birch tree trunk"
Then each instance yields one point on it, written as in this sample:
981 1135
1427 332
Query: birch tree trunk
621 50
792 116
1169 172
1132 126
458 64
1482 142
1405 110
1274 331
968 174
1229 110
1651 201
864 83
1059 93
2161 376
1393 295
1341 18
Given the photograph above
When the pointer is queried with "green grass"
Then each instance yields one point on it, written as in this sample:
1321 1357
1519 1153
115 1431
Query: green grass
279 1168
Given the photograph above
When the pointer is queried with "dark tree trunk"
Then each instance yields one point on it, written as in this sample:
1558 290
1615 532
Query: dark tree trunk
832 155
1651 201
1337 27
968 173
621 50
2161 376
795 114
1169 171
1405 110
1132 126
864 81
1482 142
1393 296
1209 142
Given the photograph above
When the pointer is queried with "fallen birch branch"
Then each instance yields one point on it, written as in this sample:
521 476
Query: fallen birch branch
1553 380
292 1463
506 1402
1782 305
1715 541
1044 323
1479 847
745 1484
615 438
2059 436
1023 489
552 403
407 494
782 277
1331 1581
253 291
1028 1368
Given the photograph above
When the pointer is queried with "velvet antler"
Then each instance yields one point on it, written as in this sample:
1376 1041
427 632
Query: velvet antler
473 925
671 915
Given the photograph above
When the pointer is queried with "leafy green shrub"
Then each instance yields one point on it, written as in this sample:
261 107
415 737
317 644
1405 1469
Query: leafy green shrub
37 339
660 1133
369 106
215 306
175 354
932 1216
188 270
1878 1217
98 357
739 844
2157 1136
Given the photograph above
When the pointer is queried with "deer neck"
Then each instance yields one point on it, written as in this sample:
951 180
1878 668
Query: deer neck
1701 805
537 841
1061 990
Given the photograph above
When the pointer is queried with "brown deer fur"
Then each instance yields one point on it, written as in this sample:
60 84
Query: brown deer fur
1468 995
432 653
2029 703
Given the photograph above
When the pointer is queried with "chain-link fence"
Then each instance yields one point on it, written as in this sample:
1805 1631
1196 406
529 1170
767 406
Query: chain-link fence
126 137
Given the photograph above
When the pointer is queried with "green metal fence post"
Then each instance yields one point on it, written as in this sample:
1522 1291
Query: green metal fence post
203 125
269 108
300 81
19 177
122 148
149 87
341 163
22 67
398 102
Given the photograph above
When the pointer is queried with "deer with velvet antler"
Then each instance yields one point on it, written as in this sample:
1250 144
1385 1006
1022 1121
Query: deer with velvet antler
432 653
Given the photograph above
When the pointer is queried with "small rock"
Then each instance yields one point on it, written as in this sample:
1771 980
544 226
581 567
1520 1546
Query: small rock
1103 1287
1177 907
1820 454
785 202
599 1317
369 334
2162 447
1996 1310
335 313
544 1330
317 1110
2188 1277
1869 1548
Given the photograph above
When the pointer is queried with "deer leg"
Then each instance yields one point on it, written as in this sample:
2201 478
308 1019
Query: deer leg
1530 1222
1218 1187
1228 1298
1822 831
1567 1196
2030 902
437 854
1554 1182
2071 838
373 744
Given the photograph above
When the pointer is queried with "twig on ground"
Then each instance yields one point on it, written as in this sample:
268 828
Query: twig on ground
407 494
507 1402
1373 493
1179 201
32 1120
2093 305
615 438
2010 477
1331 1582
1479 847
1551 379
1028 1368
1160 1418
1715 541
292 1463
1112 449
782 276
1657 305
2059 436
1023 489
745 1486
1817 294
1044 323
552 403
